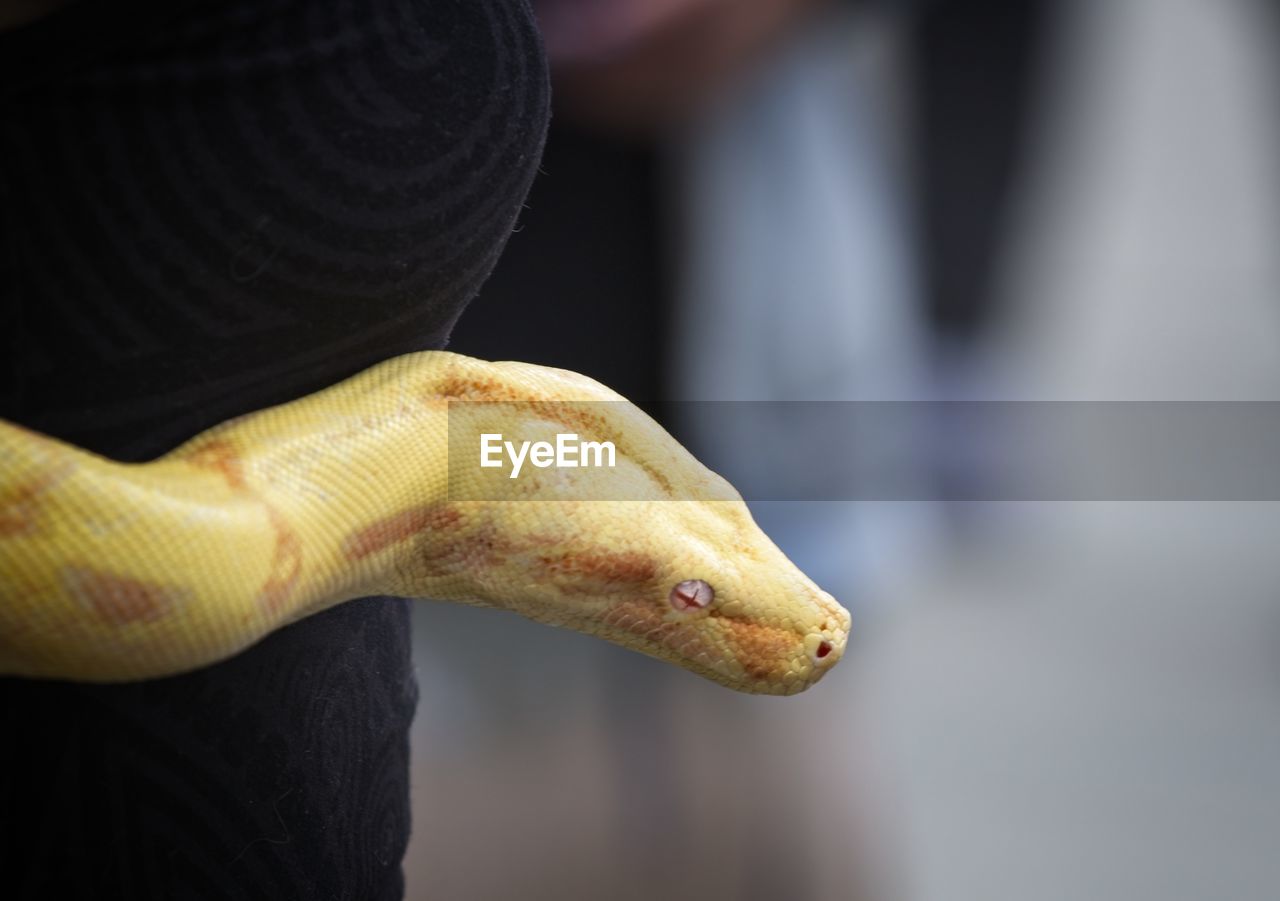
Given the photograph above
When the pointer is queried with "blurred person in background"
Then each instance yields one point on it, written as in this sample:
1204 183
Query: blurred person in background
788 200
732 180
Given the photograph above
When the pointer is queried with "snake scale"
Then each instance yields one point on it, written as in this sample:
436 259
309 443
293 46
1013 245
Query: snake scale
115 571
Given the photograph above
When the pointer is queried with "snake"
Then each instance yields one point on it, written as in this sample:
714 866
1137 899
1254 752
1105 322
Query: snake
117 571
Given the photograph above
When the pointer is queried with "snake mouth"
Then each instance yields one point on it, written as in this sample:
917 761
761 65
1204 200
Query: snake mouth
744 683
741 654
748 680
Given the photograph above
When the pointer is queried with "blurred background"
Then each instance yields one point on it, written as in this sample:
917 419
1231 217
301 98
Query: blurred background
1052 200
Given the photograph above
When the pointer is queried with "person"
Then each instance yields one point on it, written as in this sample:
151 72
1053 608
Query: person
210 208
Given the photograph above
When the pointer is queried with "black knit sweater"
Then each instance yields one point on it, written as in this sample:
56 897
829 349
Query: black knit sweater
209 208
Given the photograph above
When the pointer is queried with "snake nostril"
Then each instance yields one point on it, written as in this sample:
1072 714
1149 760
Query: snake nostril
824 648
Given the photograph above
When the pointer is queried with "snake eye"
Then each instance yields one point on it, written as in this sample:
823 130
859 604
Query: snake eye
692 594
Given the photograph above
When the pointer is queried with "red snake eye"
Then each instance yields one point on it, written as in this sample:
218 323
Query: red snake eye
692 594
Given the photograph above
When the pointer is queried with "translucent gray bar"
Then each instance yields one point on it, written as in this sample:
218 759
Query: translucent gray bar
974 451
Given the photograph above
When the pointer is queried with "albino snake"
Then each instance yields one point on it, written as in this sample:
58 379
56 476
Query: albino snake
112 571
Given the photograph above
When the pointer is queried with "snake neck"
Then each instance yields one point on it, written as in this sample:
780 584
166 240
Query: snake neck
348 488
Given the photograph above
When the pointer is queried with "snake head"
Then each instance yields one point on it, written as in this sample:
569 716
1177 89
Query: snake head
695 583
725 602
657 553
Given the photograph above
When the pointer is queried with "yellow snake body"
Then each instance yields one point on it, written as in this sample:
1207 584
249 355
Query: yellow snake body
112 571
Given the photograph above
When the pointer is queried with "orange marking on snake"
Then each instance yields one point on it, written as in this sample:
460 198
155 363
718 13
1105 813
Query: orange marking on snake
220 456
286 564
570 414
455 387
607 566
20 504
13 630
648 622
120 600
398 528
482 547
759 648
493 391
